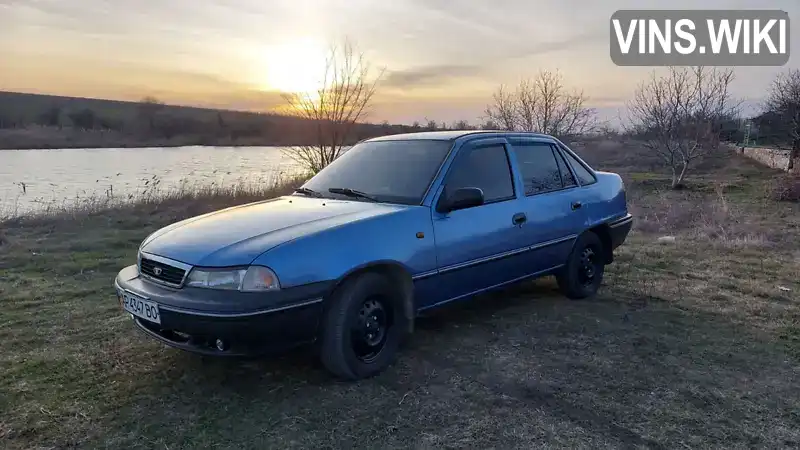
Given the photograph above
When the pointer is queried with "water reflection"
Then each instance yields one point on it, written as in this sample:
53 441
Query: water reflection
31 178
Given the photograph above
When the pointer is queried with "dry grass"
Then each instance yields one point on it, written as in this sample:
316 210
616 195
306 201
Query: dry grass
786 188
691 343
172 203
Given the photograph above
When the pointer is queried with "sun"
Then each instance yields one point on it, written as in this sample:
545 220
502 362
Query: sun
295 66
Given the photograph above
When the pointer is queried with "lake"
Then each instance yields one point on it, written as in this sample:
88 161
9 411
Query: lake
29 178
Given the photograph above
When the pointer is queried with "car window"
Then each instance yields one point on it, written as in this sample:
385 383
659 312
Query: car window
583 175
566 176
392 171
485 167
538 167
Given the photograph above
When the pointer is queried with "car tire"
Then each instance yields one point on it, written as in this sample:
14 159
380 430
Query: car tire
581 276
362 327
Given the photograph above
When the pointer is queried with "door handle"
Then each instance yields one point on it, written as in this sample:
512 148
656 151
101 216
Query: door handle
519 218
576 205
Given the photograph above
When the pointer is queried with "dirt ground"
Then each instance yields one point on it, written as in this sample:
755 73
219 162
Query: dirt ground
691 343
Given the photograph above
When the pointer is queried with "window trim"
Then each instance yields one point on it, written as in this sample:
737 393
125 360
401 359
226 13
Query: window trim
553 150
473 145
438 171
568 166
566 150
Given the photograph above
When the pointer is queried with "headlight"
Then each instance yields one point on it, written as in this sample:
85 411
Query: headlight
252 279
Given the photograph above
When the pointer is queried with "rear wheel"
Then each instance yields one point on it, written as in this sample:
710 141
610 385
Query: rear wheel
362 327
583 273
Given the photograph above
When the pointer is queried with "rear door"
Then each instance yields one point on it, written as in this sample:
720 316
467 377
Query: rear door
551 202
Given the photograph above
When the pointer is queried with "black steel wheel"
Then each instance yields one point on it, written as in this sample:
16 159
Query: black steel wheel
362 327
588 267
370 330
582 274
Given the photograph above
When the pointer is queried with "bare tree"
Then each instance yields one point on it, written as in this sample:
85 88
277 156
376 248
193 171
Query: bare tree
147 110
461 125
341 101
784 102
679 115
51 117
607 131
504 109
84 119
542 104
489 125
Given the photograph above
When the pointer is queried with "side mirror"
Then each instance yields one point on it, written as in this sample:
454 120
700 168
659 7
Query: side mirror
461 199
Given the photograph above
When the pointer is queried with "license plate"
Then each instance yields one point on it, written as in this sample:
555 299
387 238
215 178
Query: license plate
140 307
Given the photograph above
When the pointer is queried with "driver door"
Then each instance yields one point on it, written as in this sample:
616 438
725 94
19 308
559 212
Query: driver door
475 246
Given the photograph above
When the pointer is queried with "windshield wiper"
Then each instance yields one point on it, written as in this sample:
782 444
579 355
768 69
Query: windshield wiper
352 193
309 192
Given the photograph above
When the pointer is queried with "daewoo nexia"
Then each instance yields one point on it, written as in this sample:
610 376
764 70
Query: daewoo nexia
395 226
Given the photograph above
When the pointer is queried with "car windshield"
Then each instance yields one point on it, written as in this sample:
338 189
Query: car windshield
386 171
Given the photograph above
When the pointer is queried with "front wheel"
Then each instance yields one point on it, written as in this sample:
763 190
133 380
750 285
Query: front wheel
362 327
581 276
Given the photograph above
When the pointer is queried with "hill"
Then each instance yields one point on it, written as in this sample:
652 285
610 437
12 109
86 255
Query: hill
47 121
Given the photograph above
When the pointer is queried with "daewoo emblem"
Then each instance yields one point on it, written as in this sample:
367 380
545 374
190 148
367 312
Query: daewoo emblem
156 271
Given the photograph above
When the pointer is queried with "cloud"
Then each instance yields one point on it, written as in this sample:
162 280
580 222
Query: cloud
429 75
87 77
469 15
436 74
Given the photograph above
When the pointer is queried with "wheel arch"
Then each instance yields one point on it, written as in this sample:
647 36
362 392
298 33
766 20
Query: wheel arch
603 231
398 274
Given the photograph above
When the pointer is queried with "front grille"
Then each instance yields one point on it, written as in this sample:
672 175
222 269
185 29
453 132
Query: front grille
168 274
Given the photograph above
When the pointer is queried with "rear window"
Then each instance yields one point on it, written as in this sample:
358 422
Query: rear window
584 176
538 166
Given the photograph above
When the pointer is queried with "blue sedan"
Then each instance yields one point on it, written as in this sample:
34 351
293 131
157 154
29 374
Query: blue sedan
395 226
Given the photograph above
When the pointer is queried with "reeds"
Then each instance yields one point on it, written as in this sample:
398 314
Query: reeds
192 195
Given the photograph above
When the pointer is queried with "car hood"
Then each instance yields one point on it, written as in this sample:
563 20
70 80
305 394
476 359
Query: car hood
238 235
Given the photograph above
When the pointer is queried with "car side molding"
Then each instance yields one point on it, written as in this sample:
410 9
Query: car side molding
494 257
498 285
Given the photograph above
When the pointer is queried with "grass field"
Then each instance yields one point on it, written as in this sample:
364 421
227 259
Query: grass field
691 343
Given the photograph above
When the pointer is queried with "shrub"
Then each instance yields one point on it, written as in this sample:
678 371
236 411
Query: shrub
786 188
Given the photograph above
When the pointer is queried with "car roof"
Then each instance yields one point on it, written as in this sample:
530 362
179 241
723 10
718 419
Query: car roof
450 135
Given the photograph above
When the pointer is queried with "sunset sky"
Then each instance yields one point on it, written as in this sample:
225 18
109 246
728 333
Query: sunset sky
443 58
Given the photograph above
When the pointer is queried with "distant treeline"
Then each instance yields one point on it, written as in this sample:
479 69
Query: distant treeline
771 129
44 121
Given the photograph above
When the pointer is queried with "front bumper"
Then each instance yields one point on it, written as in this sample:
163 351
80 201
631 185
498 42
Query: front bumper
195 319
